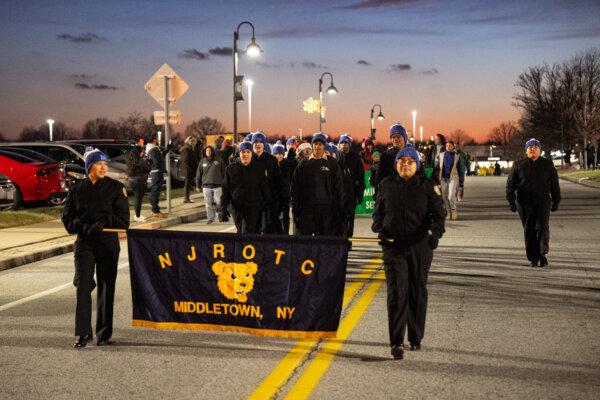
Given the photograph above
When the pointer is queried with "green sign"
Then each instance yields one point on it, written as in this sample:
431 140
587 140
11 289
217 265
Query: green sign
368 204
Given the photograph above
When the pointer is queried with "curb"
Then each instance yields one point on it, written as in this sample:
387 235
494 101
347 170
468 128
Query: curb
62 245
581 181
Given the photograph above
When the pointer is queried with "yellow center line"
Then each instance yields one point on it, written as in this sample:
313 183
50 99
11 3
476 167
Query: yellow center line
296 356
319 365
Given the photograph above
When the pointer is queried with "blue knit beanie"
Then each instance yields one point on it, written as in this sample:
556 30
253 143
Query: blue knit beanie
92 157
248 138
330 147
409 151
398 129
268 148
259 137
345 138
245 146
278 149
533 142
319 137
291 140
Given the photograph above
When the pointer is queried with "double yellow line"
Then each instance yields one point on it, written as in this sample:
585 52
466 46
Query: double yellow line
319 365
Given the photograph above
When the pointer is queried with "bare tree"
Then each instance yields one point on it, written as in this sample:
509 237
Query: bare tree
135 126
100 128
2 139
42 133
460 137
204 126
509 139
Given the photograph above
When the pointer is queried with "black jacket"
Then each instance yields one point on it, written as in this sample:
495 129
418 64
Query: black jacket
245 187
188 162
317 182
353 175
387 164
137 170
103 205
406 210
533 182
211 172
287 167
271 166
157 159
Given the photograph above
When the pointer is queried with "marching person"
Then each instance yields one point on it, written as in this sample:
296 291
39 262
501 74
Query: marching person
353 175
287 167
93 204
245 188
387 164
303 151
317 193
409 218
451 172
158 168
209 177
188 161
270 221
137 175
532 189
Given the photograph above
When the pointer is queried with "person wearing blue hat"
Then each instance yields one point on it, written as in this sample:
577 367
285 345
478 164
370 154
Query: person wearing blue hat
290 146
533 190
317 193
287 167
450 169
245 188
93 204
270 212
353 176
399 139
409 221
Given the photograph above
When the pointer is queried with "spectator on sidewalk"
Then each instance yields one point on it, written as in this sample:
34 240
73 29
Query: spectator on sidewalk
532 189
209 177
95 203
188 164
451 176
137 172
157 170
409 220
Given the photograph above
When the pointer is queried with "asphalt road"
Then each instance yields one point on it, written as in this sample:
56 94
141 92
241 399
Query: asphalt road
495 327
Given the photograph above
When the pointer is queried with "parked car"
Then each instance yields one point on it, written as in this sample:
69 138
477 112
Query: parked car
34 180
7 193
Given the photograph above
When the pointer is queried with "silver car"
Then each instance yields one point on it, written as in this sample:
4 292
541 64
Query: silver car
7 192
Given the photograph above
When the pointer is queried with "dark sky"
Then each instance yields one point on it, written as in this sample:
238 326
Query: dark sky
455 62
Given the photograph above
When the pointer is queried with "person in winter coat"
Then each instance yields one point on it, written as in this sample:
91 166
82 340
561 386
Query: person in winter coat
227 152
399 139
451 175
353 175
245 188
532 189
137 175
209 177
287 168
317 193
366 154
157 170
409 220
188 162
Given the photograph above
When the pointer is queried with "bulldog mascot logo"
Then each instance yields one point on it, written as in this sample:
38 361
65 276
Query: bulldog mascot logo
235 280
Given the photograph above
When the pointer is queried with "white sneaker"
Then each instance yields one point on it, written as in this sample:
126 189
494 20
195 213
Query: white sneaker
141 218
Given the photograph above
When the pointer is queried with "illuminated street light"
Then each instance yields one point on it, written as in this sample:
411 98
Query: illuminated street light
249 83
253 50
421 132
331 90
50 123
414 115
379 117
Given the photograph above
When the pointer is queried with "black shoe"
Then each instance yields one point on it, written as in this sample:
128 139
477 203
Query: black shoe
398 352
534 264
543 261
106 342
415 346
82 341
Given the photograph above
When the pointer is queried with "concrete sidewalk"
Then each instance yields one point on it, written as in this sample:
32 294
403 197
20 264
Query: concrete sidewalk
29 243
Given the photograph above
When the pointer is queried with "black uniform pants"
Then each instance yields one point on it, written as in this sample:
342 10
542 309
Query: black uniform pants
317 220
103 256
535 220
406 274
285 219
248 222
155 188
138 192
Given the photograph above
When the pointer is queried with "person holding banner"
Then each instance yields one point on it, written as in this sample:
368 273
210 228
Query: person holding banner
387 165
245 188
93 204
409 218
317 193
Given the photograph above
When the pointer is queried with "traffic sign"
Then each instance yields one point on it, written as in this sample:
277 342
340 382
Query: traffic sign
156 85
174 117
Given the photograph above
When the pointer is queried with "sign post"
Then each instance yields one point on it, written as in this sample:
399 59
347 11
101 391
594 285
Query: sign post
165 86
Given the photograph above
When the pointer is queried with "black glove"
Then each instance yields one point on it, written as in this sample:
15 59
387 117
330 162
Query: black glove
554 207
77 226
433 242
224 216
95 228
513 207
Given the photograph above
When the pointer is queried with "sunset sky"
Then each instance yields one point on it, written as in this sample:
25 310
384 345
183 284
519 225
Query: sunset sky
455 62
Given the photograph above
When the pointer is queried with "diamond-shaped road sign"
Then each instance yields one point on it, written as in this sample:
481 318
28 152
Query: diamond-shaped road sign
174 117
156 85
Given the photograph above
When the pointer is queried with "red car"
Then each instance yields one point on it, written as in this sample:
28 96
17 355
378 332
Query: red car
34 180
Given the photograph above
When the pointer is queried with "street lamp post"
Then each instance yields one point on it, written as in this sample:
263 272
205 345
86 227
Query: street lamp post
252 50
50 123
331 90
414 115
379 117
421 133
249 83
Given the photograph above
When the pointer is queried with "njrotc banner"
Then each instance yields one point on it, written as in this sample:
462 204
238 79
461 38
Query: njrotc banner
273 286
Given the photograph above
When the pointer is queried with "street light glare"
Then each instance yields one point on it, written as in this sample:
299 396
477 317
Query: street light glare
332 89
414 113
249 82
380 116
253 49
50 121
